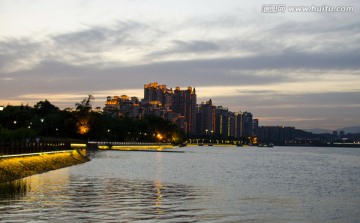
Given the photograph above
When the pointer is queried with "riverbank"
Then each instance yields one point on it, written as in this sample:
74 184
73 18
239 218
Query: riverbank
17 167
137 147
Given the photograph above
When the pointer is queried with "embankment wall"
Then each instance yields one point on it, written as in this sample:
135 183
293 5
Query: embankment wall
13 168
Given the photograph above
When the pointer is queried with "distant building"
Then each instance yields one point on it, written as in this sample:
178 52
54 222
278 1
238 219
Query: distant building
122 106
206 114
255 127
180 107
225 122
276 134
179 103
247 124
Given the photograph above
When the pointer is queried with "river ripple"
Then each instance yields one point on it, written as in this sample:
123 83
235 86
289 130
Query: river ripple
203 184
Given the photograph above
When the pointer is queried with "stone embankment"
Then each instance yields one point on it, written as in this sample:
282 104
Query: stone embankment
17 167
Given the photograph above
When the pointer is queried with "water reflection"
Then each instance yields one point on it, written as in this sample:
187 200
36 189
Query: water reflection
135 200
13 190
101 200
217 185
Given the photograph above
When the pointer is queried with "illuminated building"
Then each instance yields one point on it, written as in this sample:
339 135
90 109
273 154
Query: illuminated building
225 122
179 106
238 124
122 106
243 124
172 104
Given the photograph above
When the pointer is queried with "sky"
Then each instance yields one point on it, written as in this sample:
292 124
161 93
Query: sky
298 69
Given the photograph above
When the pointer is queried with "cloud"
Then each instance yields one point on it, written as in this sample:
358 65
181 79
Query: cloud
18 54
285 65
183 47
303 110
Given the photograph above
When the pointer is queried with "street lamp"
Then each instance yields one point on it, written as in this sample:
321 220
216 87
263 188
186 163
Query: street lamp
1 108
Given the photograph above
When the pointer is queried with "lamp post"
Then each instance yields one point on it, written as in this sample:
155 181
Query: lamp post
1 108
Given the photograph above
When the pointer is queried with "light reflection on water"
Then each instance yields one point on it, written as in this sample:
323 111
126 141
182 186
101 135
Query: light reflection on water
107 200
201 185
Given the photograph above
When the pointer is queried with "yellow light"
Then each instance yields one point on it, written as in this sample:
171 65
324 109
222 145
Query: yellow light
83 126
83 129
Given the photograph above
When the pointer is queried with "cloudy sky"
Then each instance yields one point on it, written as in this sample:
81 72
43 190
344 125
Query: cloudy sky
297 69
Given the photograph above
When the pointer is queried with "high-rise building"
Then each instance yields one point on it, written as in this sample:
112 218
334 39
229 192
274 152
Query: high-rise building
247 121
184 104
225 122
255 127
181 102
238 128
243 124
207 118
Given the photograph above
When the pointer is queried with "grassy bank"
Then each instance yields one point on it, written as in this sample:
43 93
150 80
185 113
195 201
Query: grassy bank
13 168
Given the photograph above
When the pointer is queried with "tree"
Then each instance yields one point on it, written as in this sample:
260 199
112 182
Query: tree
44 108
85 105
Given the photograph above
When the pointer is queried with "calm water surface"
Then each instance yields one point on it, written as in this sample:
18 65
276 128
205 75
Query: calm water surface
203 184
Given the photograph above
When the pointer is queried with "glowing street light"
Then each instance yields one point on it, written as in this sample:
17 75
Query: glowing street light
159 136
1 108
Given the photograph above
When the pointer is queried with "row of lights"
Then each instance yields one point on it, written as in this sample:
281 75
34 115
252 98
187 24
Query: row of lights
41 120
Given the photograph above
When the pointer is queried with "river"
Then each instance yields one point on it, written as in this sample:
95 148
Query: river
198 184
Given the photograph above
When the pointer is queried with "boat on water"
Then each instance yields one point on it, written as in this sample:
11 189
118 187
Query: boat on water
266 145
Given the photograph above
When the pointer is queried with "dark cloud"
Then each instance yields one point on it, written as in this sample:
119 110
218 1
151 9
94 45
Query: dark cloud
247 53
180 47
57 76
98 37
303 110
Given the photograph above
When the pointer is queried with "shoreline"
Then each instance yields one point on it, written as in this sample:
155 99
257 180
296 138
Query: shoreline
18 167
137 147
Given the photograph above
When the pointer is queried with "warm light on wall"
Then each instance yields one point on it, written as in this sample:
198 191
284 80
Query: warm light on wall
83 129
83 126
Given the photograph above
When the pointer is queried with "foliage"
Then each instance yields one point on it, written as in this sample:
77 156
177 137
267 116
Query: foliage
45 119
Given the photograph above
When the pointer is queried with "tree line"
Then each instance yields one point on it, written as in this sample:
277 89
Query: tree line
46 120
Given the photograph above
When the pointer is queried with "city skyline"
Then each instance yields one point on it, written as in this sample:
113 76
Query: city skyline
292 69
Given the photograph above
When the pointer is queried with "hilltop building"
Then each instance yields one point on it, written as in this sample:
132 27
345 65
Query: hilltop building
123 106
